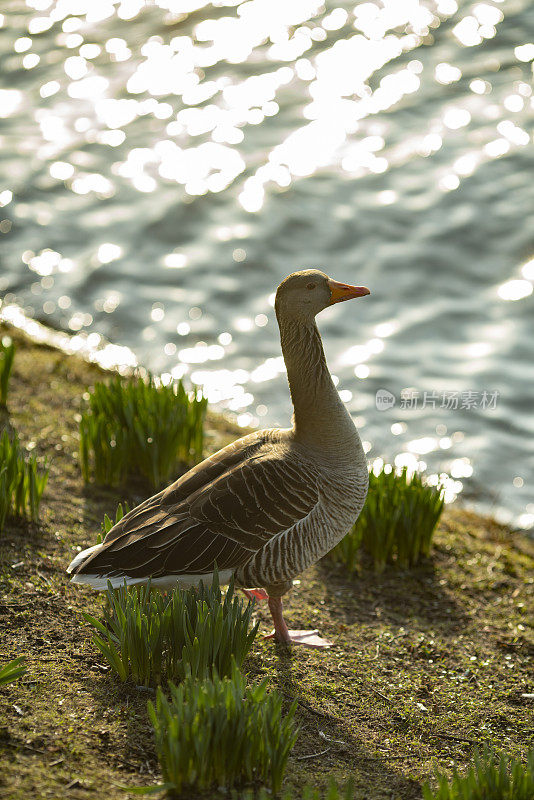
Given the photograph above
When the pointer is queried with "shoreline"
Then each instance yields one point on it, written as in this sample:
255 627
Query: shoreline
407 685
101 355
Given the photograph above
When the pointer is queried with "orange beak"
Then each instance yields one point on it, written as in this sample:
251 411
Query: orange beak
344 291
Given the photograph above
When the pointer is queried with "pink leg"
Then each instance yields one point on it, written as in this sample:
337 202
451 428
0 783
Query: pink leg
255 594
282 634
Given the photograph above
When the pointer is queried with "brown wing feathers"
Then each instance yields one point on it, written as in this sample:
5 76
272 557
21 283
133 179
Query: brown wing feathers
223 511
145 515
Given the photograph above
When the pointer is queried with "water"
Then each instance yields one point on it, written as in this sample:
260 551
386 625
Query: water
164 165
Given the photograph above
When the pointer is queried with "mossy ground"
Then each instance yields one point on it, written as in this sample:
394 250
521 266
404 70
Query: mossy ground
427 663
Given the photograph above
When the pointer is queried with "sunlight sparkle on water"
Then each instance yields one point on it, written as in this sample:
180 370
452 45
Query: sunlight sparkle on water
513 133
455 118
422 446
525 52
22 44
362 371
461 468
61 170
10 100
5 197
360 353
515 290
478 350
445 73
175 260
528 270
479 86
93 182
496 148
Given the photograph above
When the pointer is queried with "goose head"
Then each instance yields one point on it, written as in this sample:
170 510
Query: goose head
302 295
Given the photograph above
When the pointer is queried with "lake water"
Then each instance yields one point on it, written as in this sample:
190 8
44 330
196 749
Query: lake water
164 165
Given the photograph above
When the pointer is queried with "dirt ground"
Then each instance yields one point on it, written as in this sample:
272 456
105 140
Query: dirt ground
427 665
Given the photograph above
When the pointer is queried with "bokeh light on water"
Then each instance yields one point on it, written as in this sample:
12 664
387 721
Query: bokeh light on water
165 164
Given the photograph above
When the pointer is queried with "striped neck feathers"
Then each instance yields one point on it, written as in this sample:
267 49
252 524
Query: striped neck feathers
320 417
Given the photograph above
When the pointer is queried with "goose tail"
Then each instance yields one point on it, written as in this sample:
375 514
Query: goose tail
96 581
83 556
164 582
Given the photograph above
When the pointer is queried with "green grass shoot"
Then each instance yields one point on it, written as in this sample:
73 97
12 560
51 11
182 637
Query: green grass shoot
219 732
508 779
396 524
140 427
22 481
149 637
307 792
109 523
12 671
7 355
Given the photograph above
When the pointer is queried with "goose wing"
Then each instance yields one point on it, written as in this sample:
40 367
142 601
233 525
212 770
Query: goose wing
223 512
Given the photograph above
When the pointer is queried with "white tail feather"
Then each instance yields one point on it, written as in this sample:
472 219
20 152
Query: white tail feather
83 556
100 582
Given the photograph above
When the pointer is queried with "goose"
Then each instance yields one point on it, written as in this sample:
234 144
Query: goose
265 507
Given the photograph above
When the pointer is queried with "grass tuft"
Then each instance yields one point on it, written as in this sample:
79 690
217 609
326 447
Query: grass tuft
221 733
12 671
140 427
396 524
509 779
7 355
149 636
22 481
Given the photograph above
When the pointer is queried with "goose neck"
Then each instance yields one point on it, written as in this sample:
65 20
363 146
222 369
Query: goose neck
320 417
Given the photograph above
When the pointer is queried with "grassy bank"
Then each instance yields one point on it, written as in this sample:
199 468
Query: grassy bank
428 663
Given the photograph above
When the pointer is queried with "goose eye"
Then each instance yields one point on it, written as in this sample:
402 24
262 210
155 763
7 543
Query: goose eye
311 286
